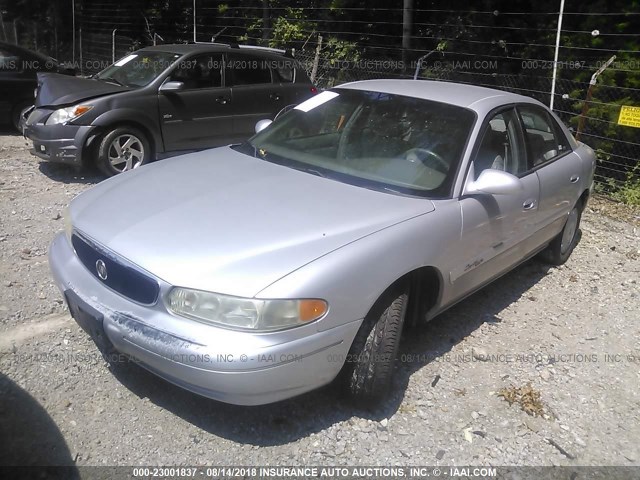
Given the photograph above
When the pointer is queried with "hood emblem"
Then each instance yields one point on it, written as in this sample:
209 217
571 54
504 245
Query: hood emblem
101 269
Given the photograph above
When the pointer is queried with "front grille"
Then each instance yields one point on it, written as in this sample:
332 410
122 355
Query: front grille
123 279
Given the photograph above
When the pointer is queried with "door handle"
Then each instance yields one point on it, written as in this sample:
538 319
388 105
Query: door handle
529 204
274 96
222 100
574 178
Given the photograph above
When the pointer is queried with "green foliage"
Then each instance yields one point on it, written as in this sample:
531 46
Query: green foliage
291 28
340 50
629 191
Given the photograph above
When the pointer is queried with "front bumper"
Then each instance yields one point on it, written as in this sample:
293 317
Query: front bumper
56 143
235 367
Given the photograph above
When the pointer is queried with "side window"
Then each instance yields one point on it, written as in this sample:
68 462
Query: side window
247 70
203 71
501 147
284 70
545 140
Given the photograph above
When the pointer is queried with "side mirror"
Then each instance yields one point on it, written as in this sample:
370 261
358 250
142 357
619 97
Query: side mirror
262 124
168 87
495 182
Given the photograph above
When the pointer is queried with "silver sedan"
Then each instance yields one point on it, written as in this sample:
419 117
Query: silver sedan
255 272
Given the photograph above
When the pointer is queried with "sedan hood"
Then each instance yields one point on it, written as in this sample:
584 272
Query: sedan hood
55 89
222 221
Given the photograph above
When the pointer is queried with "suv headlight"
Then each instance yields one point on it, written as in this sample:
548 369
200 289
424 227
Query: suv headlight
244 313
64 115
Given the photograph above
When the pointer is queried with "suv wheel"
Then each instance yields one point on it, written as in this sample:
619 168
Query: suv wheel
123 149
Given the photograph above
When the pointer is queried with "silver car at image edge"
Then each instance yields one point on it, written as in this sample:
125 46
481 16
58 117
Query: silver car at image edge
255 272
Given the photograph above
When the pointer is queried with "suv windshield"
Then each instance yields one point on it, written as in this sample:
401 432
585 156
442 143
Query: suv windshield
377 140
138 69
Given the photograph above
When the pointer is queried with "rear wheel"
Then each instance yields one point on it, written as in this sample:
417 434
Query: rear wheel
560 248
368 370
123 149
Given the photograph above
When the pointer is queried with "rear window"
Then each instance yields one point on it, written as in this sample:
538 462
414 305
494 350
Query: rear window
246 70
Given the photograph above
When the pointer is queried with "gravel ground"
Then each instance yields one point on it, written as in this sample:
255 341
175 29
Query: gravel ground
570 333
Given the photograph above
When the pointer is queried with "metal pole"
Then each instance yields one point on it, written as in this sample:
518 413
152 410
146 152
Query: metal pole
81 66
194 20
407 25
73 29
113 45
555 55
4 32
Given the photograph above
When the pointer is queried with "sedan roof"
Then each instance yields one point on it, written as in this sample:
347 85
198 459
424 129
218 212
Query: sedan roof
479 99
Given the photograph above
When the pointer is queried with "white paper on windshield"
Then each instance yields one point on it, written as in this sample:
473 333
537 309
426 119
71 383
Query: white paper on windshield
125 60
316 101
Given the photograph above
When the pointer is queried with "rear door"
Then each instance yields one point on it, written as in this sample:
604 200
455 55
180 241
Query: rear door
556 165
201 114
257 95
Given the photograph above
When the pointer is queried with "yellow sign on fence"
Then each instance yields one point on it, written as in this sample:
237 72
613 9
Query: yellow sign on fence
629 116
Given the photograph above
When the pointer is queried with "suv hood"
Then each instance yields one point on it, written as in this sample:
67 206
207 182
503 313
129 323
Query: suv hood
55 89
223 221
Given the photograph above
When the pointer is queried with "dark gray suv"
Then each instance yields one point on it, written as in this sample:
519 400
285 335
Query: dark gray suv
161 100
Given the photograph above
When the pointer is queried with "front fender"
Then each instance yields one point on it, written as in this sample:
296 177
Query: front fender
142 119
353 277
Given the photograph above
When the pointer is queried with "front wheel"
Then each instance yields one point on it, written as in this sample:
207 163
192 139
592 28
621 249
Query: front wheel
368 371
123 149
560 248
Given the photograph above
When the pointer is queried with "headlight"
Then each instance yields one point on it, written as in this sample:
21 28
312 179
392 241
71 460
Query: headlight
68 226
64 115
244 313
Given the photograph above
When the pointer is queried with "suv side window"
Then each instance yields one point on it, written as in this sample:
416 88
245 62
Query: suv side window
202 71
544 139
248 70
501 147
284 70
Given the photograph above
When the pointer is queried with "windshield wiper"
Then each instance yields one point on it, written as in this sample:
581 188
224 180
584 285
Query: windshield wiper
313 172
112 80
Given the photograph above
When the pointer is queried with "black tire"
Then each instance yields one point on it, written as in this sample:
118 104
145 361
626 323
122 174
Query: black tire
122 149
561 247
368 371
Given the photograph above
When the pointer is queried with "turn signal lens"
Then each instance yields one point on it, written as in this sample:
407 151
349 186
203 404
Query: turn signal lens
311 310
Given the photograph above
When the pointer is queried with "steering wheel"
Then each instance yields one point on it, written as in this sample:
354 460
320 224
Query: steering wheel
426 157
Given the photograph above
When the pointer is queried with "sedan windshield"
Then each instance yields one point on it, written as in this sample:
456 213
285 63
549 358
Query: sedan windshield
138 69
388 142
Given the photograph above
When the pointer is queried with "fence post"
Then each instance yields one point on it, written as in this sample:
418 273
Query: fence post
316 60
585 105
4 32
81 66
113 45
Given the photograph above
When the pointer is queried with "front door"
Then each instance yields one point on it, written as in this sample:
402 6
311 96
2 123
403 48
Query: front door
199 115
495 228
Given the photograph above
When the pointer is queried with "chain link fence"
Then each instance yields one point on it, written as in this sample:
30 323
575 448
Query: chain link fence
617 146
